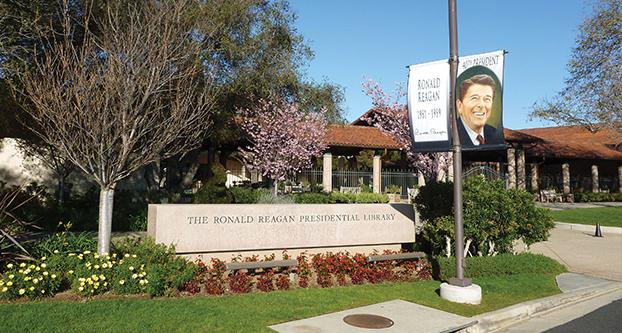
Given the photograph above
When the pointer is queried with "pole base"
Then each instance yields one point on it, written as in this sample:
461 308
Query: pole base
466 295
460 282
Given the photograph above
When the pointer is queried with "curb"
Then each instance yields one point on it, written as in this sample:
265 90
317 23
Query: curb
492 321
587 228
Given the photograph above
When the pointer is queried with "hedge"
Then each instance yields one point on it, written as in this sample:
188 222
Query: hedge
503 264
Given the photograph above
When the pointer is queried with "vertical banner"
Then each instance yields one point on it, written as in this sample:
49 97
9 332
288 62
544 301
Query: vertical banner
428 96
479 101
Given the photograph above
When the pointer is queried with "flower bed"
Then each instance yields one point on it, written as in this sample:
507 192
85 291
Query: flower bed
162 273
320 270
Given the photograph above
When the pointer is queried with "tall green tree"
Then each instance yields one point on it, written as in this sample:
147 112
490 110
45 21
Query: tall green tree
592 95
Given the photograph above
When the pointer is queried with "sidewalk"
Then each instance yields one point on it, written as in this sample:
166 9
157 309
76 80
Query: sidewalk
581 252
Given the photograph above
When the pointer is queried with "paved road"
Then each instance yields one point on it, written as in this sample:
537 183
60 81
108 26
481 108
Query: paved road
606 319
599 314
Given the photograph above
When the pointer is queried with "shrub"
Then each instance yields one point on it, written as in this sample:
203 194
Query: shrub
64 242
371 198
493 216
138 222
283 282
435 200
265 282
339 197
244 195
240 282
267 197
214 190
92 274
313 198
504 264
597 197
393 189
32 280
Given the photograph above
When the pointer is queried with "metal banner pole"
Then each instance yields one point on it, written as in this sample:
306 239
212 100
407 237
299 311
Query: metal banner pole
459 280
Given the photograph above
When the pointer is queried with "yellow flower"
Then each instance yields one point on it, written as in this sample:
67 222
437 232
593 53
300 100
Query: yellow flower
102 277
22 265
35 281
53 276
104 265
22 291
11 276
141 282
134 276
4 289
70 271
43 265
86 252
133 256
71 254
37 268
10 283
31 267
1 283
96 266
45 273
31 288
27 271
9 266
55 251
131 268
120 282
94 277
42 260
81 288
81 279
96 285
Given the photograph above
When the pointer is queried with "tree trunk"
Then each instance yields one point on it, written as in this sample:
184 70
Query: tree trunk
61 191
276 187
106 199
448 246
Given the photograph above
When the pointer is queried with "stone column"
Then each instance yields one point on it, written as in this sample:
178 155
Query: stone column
595 185
421 179
327 172
511 168
535 181
520 167
620 179
377 166
497 167
566 177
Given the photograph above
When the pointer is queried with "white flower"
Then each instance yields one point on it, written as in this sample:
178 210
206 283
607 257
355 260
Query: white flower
4 289
81 288
55 251
120 282
9 266
53 276
22 291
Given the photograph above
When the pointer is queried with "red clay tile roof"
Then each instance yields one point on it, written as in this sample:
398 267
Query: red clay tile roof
574 142
358 136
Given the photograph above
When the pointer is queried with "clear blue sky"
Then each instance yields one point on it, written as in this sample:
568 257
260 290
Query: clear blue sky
353 40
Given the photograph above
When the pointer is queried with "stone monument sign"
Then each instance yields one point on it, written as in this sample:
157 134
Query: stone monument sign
239 227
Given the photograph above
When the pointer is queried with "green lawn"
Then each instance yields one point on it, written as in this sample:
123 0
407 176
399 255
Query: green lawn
606 216
253 312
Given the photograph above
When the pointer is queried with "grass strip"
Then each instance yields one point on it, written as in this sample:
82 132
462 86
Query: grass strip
606 216
254 312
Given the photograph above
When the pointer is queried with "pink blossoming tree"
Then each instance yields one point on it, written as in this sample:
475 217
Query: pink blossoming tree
283 138
391 117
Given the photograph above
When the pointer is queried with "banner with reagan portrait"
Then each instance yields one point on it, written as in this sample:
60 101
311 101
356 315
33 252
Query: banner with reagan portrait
479 103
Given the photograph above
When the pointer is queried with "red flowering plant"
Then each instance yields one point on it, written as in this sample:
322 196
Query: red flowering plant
303 270
215 277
